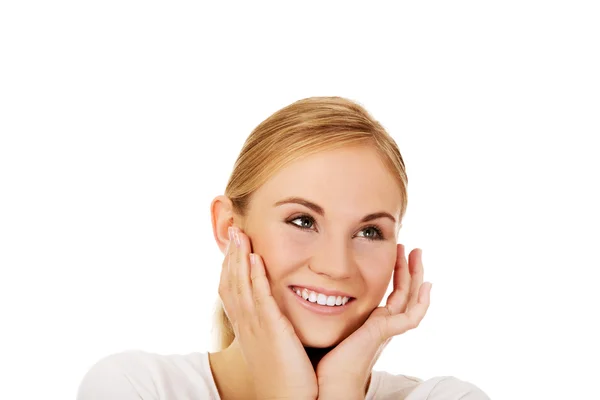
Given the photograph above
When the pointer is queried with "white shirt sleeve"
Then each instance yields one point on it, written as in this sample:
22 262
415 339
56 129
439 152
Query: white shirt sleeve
107 380
447 388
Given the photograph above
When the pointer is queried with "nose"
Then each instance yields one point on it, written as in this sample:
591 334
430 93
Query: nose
333 260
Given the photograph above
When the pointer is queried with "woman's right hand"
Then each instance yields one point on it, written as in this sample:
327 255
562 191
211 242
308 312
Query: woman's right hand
276 359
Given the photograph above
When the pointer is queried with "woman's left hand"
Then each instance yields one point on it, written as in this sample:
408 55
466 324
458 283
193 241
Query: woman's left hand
345 371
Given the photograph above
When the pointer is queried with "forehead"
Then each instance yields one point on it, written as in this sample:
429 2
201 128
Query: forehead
348 180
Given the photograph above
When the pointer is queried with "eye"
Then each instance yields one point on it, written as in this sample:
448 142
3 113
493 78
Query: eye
306 222
372 233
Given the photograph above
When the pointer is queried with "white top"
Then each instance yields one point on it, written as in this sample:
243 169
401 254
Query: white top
135 375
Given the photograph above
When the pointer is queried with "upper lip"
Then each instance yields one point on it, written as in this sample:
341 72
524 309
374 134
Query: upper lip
326 292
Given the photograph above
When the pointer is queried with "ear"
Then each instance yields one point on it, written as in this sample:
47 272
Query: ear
221 210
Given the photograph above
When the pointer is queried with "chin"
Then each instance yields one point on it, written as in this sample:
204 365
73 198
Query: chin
321 336
319 340
317 326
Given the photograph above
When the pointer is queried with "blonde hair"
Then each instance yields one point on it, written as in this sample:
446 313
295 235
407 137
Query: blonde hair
298 130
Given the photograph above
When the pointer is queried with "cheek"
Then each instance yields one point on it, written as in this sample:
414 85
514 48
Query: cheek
282 250
377 266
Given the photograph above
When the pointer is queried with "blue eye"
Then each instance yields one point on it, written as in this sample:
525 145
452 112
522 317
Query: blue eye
375 233
370 232
304 218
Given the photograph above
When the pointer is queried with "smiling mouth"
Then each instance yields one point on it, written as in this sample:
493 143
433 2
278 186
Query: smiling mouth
320 298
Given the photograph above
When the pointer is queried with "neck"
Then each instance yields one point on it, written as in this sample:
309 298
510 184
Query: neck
315 355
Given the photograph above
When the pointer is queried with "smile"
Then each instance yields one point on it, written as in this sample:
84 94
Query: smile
320 298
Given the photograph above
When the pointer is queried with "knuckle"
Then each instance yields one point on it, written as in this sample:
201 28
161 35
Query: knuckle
239 288
413 323
256 279
259 321
257 301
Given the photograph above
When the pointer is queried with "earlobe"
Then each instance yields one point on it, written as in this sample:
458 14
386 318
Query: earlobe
221 211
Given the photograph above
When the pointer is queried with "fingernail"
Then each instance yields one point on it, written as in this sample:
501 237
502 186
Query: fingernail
252 259
230 232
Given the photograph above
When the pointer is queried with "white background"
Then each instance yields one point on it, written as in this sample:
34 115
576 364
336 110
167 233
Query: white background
121 120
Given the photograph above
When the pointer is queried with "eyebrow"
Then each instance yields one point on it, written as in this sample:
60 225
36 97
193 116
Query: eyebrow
319 210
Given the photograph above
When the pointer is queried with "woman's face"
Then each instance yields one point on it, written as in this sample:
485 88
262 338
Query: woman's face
310 223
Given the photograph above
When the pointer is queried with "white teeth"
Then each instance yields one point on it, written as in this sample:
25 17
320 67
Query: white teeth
320 298
305 294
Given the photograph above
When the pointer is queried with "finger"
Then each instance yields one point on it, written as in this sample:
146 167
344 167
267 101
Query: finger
401 272
230 255
241 270
397 300
225 266
415 266
225 283
265 305
400 323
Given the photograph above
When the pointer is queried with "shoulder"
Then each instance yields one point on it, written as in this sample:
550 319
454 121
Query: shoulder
447 388
386 386
106 379
138 374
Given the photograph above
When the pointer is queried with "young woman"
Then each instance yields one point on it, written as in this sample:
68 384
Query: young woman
308 227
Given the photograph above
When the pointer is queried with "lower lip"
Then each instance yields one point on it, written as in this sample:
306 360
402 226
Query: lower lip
319 309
